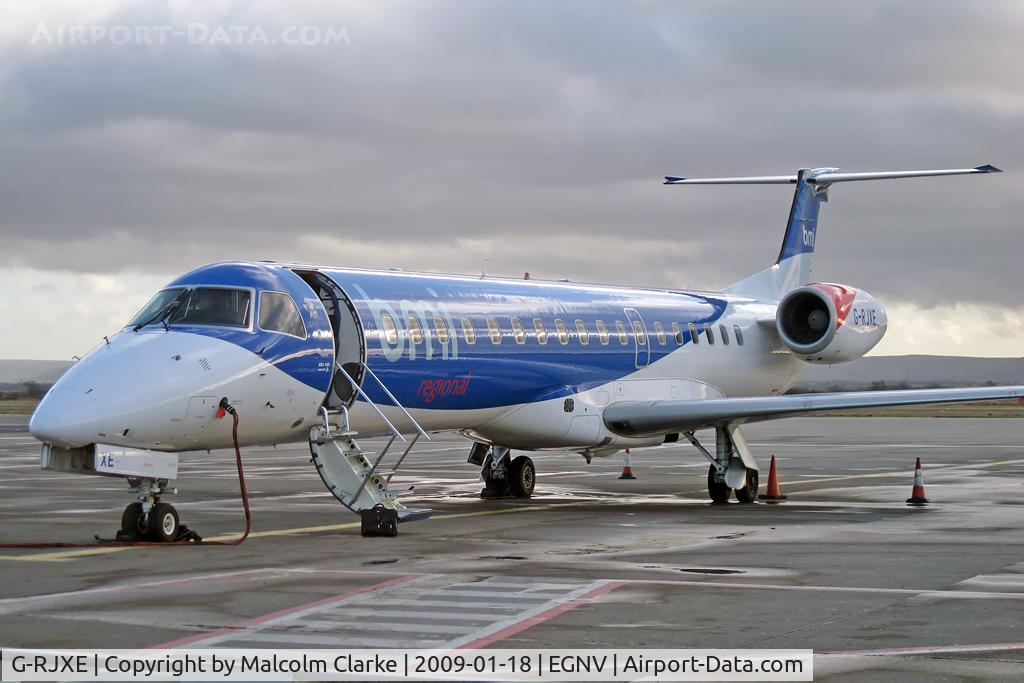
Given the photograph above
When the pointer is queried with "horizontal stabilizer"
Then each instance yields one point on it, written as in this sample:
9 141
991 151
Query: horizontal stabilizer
821 176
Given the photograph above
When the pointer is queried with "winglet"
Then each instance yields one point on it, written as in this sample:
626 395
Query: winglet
669 179
988 168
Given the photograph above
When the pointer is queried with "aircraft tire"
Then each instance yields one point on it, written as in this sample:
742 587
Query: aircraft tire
164 524
522 477
133 521
748 494
718 491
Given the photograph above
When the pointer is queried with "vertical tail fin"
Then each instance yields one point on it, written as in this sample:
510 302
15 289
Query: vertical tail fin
793 267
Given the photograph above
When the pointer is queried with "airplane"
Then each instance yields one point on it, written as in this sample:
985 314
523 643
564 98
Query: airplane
321 354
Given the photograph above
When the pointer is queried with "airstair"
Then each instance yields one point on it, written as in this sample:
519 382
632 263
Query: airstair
344 467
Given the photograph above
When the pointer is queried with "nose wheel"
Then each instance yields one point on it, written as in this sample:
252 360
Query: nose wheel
150 519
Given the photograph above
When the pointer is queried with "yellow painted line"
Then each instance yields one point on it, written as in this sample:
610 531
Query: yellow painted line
65 555
909 472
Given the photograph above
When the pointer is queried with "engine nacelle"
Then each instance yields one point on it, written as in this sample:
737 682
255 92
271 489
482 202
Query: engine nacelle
829 323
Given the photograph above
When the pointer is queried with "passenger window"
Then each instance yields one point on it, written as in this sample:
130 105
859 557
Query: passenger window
709 334
415 331
493 331
725 334
620 329
278 313
739 334
694 334
602 332
518 332
563 333
542 332
581 330
638 330
442 329
677 331
659 330
387 323
468 331
216 306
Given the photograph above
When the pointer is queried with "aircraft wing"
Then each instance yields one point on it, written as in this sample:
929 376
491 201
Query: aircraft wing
649 418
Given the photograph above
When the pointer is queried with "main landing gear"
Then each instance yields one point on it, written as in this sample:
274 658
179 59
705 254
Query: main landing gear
507 477
149 519
732 467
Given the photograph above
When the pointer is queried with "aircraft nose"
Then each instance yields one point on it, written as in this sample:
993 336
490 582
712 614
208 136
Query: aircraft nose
124 392
67 416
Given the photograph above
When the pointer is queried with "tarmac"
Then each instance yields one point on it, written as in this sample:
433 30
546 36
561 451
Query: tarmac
877 588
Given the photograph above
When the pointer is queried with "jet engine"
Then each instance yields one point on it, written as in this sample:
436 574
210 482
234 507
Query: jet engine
829 323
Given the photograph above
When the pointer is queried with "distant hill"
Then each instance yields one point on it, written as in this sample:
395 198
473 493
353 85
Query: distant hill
914 371
40 371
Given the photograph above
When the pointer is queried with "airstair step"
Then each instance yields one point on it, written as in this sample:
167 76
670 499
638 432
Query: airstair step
414 514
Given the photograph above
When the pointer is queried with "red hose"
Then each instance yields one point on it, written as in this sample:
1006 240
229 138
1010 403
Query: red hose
107 544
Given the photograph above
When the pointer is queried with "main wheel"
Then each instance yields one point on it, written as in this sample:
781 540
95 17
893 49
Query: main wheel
163 524
718 490
522 477
133 521
748 494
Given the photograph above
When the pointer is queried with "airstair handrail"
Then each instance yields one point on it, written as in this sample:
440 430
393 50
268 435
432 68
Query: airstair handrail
397 404
373 405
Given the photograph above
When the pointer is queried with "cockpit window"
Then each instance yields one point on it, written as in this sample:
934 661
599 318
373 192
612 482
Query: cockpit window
278 313
217 306
156 306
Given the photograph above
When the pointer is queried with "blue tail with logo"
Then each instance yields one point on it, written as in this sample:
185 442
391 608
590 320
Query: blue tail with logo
793 267
802 227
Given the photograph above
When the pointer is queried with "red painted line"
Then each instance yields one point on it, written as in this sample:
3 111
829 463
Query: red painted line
530 622
264 618
927 650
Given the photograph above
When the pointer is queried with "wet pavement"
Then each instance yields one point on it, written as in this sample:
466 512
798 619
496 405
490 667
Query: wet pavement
843 566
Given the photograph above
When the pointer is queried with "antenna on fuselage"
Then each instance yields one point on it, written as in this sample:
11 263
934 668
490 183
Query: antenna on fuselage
483 268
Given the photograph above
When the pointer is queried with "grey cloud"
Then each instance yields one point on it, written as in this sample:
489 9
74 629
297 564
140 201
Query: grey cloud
450 132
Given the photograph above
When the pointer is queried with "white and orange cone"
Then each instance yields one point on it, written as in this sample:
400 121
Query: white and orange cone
917 496
773 492
627 467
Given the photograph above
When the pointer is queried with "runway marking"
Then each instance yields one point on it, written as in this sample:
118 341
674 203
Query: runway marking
289 613
516 626
333 621
925 650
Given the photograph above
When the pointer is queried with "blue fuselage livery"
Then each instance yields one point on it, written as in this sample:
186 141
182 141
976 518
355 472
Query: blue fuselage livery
508 334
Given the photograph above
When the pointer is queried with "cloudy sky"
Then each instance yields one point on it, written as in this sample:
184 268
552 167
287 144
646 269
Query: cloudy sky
140 139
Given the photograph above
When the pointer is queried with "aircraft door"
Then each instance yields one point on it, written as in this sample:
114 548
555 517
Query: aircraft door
641 342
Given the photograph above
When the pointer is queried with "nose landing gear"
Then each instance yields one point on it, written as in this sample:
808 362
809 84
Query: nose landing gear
149 519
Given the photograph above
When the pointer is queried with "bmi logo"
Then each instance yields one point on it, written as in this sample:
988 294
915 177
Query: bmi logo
808 236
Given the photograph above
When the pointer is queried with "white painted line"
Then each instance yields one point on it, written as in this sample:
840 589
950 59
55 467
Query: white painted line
441 603
344 624
925 650
489 594
333 641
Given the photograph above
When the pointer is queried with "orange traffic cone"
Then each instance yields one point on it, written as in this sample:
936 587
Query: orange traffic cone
917 495
627 467
773 492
